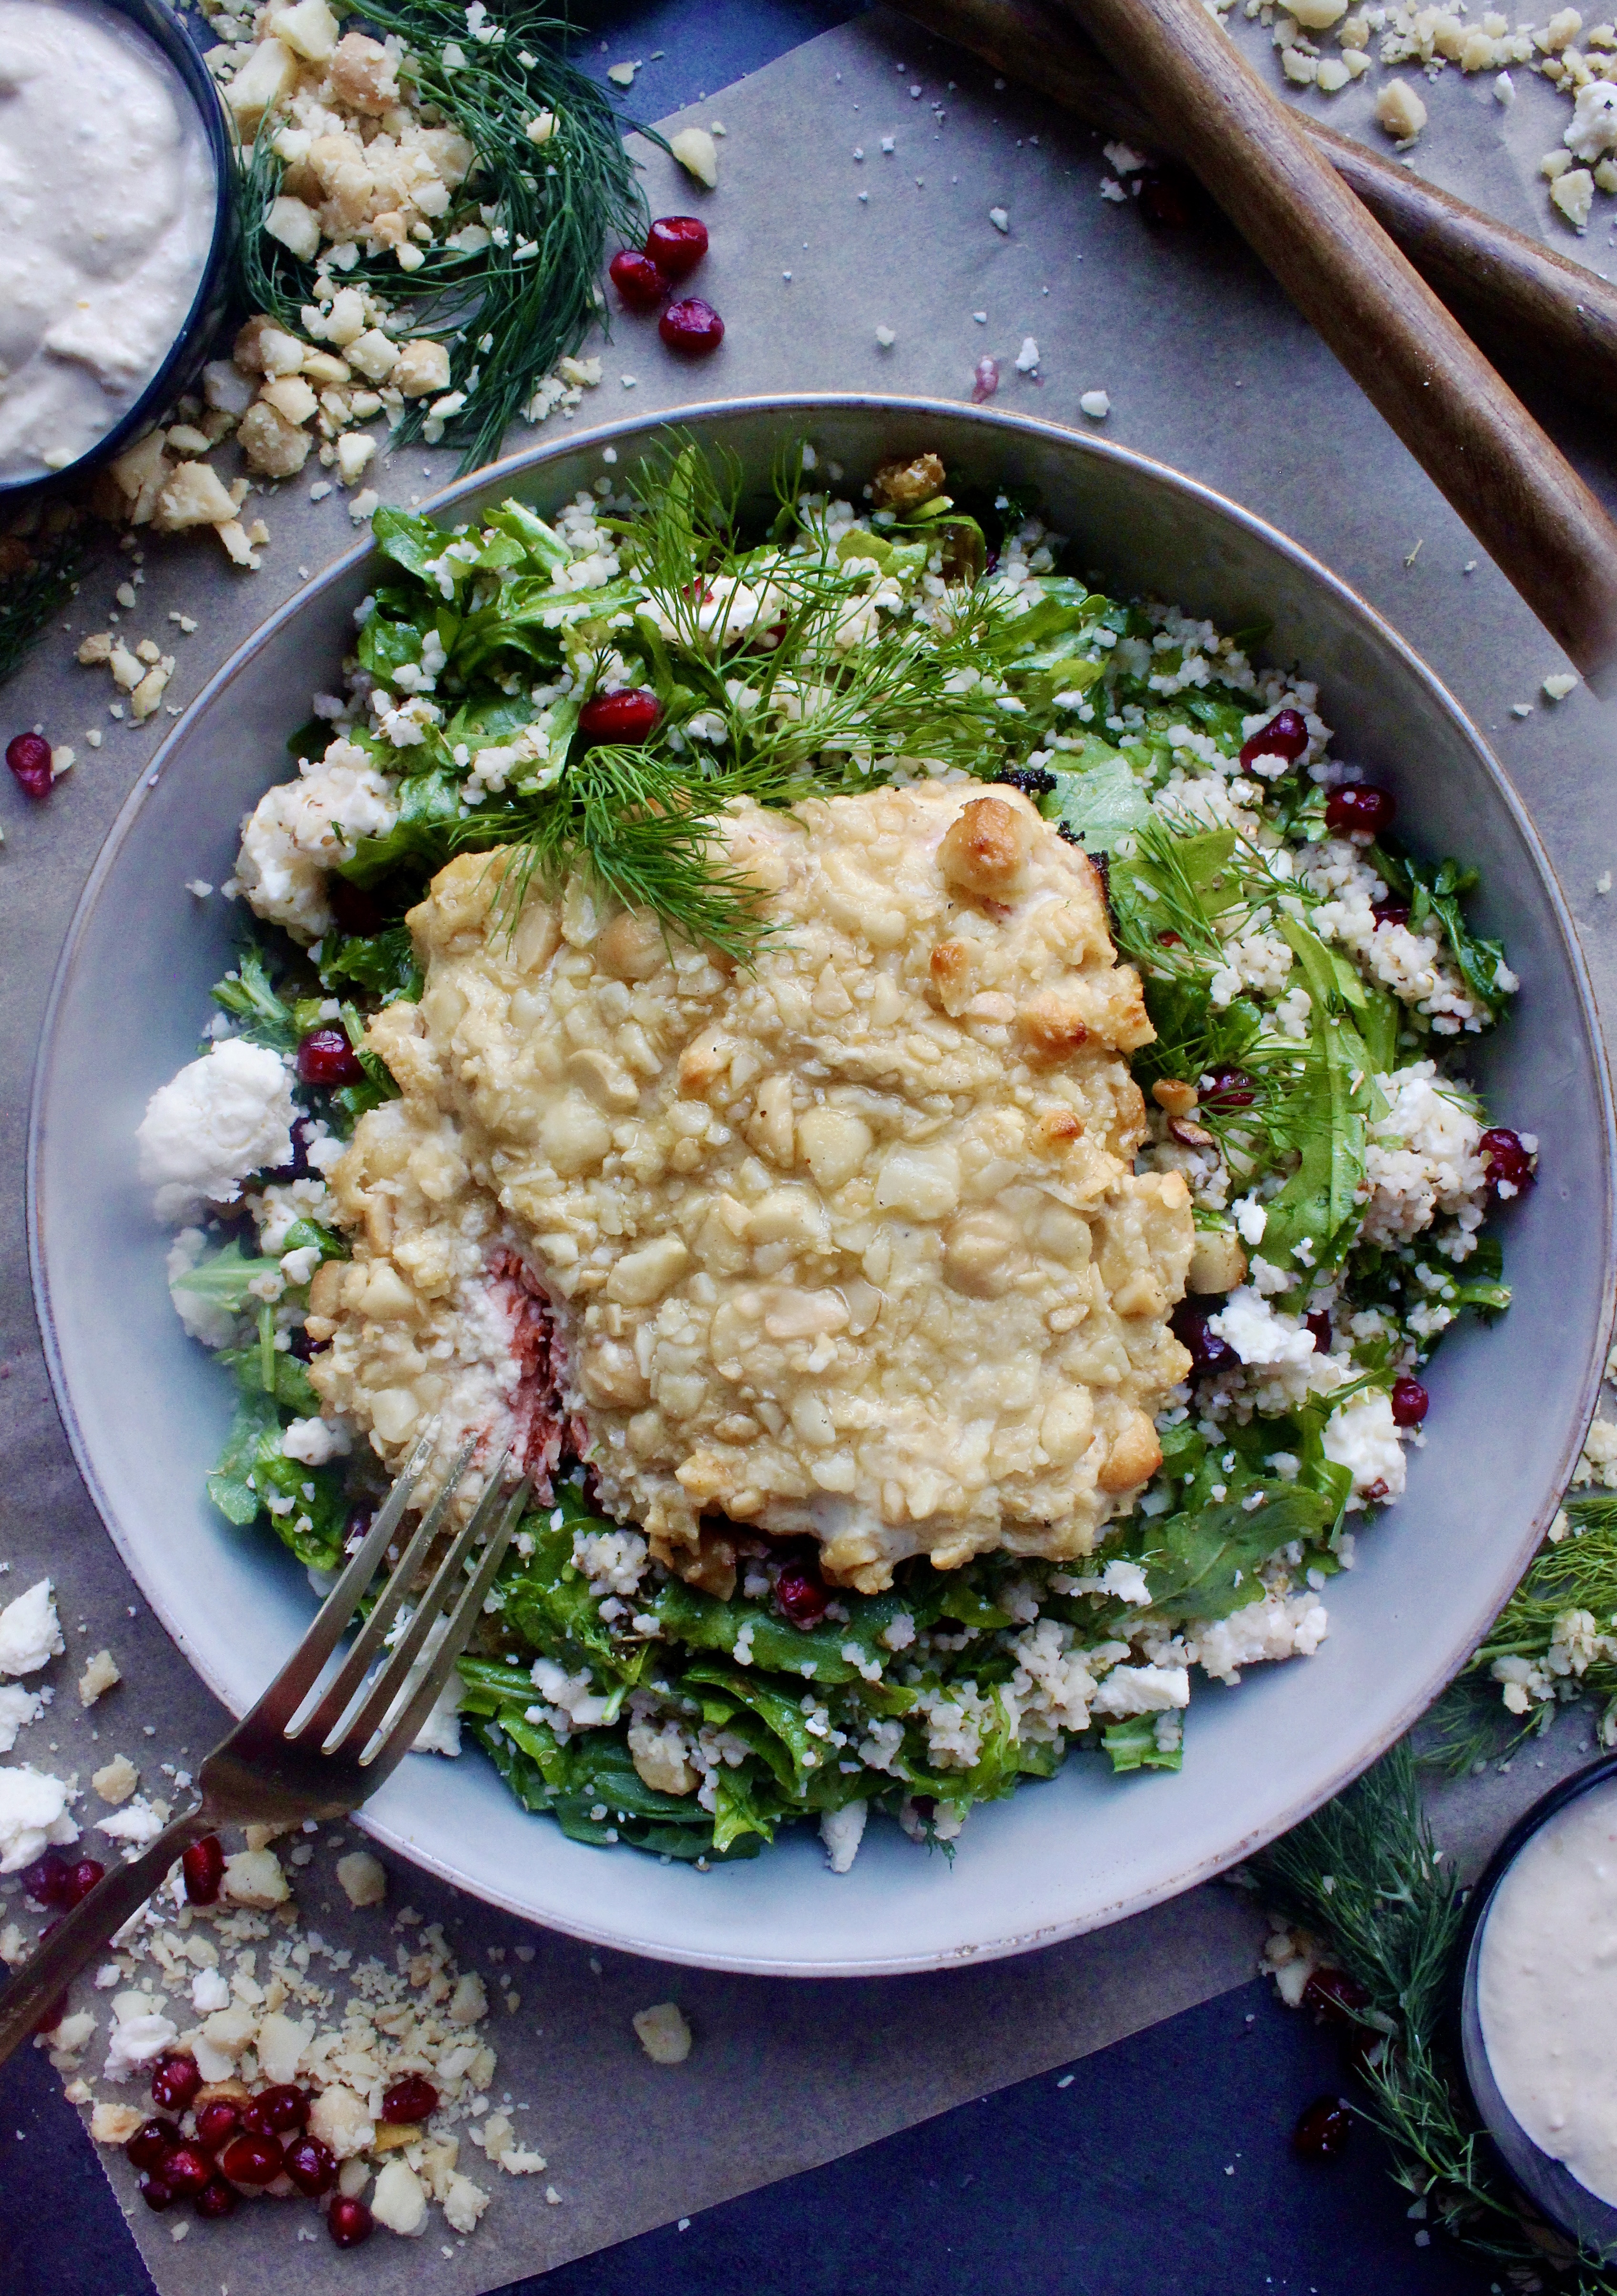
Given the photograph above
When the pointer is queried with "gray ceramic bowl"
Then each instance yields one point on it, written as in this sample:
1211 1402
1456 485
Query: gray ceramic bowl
145 1409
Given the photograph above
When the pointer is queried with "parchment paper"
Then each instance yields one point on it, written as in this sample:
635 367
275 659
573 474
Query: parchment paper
1208 368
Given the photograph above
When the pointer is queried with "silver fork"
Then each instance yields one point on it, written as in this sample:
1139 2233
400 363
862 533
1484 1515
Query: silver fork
288 1759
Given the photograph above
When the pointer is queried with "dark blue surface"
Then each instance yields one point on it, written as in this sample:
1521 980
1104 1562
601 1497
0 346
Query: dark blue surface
1114 2187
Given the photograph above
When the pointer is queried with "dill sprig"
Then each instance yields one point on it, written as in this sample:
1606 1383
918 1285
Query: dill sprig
36 590
646 832
1365 1877
1576 1571
509 311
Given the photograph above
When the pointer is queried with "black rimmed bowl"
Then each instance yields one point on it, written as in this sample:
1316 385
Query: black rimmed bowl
146 1410
184 359
1548 2182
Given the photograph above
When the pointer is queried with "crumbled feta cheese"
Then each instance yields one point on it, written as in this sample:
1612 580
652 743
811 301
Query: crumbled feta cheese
1257 1333
1000 220
18 1708
221 1117
1561 683
1363 1438
1278 1626
314 1442
33 1816
301 829
30 1635
1027 357
1096 404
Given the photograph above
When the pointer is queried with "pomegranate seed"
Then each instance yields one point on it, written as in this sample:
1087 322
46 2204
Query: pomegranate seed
1170 939
325 1057
1228 1088
349 2222
410 2099
1391 913
1319 1324
45 1881
800 1596
175 2080
985 381
156 2192
1410 1403
187 2168
1360 809
203 1866
1209 1353
311 2166
217 2200
29 755
1506 1158
252 2160
82 1876
1322 2128
152 2144
628 715
274 2110
638 280
354 908
692 326
217 2121
677 244
1335 1996
1373 1494
1168 197
1284 736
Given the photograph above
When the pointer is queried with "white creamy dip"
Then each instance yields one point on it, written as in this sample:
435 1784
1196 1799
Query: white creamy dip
1546 1989
107 198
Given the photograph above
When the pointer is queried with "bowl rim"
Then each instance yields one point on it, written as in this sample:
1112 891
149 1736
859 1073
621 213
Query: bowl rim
515 469
166 31
1549 2182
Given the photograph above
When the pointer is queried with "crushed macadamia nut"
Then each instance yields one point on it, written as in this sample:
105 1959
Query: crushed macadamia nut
100 1675
663 2033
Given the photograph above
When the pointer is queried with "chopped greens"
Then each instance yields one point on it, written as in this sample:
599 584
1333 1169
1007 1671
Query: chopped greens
1309 994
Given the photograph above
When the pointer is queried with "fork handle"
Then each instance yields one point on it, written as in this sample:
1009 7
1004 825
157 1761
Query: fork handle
81 1934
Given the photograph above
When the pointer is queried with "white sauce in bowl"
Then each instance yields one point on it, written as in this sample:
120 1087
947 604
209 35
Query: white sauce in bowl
107 204
1546 1989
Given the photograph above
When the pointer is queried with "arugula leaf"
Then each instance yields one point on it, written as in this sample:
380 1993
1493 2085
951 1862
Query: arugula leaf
413 543
1099 800
1438 890
1204 1564
290 1387
249 995
428 808
1132 1745
225 1279
382 964
253 1468
1323 1118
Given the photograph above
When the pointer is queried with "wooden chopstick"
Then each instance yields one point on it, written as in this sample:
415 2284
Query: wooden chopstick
1531 306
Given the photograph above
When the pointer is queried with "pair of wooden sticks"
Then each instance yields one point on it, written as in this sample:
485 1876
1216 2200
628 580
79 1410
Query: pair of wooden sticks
1377 260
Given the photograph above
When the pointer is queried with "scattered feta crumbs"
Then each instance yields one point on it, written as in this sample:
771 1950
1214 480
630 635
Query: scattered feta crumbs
253 1878
1603 882
1027 357
116 1780
698 154
1561 684
100 1675
886 338
363 505
1123 157
841 1830
1000 220
30 1635
1521 710
623 75
1096 404
1596 1464
1111 188
888 145
663 2033
364 1878
1399 112
19 1708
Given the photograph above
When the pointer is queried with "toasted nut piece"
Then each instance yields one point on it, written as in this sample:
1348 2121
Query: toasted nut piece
1177 1098
904 486
1188 1134
712 1568
1134 1456
1217 1261
1051 1026
422 369
361 75
985 849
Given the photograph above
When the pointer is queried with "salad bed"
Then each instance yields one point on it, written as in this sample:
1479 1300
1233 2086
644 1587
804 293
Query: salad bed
594 692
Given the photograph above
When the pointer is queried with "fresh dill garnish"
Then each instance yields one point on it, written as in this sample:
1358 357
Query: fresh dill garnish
38 589
509 310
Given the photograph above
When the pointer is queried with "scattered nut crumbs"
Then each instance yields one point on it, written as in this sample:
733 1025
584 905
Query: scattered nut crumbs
663 2033
100 1675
